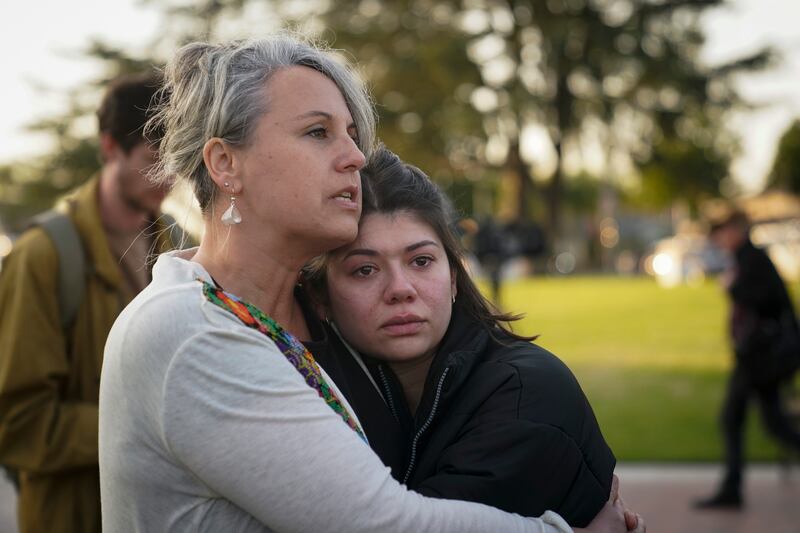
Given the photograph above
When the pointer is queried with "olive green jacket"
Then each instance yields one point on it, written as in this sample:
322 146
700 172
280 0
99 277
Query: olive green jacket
49 378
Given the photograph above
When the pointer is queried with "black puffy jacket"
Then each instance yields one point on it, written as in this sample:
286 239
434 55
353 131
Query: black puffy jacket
501 422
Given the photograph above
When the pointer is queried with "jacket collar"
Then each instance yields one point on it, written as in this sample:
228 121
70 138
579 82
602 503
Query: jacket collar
463 347
461 350
83 206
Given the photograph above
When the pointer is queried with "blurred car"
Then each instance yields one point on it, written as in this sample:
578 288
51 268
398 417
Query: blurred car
684 259
781 239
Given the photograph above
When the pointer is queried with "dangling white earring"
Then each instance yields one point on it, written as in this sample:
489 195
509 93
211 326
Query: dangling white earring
454 298
231 216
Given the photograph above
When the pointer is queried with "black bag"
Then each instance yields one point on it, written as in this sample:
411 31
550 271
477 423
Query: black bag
777 356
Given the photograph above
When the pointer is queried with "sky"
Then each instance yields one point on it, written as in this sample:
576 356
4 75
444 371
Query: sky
43 39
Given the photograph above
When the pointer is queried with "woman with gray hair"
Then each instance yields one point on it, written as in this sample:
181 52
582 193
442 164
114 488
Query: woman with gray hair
213 416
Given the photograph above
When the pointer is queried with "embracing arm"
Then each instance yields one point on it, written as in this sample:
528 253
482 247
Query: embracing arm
531 442
250 429
40 431
521 467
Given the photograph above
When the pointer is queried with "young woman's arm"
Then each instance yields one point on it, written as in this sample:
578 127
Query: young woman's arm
522 437
518 466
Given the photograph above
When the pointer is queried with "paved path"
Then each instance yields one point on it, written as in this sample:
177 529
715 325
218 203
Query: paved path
662 494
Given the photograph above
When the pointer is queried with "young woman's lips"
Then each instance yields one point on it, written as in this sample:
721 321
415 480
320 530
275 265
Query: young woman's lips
402 326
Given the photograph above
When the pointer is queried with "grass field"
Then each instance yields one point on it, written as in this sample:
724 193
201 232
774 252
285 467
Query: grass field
652 361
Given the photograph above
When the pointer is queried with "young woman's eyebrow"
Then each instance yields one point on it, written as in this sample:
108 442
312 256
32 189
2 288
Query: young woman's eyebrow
360 251
420 244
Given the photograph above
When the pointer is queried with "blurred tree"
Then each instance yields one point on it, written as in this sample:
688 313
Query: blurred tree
462 85
785 172
31 186
28 187
422 81
631 66
678 168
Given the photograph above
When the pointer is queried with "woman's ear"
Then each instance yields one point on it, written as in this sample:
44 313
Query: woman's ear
109 147
454 283
223 165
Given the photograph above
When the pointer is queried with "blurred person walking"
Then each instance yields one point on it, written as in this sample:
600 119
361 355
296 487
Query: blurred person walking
766 344
61 289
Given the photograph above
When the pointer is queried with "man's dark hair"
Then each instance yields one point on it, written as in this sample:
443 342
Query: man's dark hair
126 108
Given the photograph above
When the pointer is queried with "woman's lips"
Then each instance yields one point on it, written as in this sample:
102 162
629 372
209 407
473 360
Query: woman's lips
346 203
401 326
347 198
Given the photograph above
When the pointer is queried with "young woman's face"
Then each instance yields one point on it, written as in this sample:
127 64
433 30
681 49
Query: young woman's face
391 290
300 171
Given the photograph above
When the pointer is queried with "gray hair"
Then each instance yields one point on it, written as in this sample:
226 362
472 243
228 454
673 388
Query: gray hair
215 90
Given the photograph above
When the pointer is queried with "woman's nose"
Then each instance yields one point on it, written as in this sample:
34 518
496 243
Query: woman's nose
400 288
352 159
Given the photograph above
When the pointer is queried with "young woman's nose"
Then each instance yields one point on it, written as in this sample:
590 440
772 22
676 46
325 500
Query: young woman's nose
351 158
399 288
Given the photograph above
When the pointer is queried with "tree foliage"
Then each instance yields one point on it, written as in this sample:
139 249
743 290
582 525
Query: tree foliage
678 168
457 84
785 173
631 66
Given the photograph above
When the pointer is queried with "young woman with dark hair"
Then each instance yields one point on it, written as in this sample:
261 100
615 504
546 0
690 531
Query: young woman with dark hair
476 411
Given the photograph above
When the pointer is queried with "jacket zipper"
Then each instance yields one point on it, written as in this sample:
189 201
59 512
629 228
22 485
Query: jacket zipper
424 427
388 391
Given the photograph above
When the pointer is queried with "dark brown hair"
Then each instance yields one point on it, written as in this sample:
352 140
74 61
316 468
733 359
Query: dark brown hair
391 186
126 108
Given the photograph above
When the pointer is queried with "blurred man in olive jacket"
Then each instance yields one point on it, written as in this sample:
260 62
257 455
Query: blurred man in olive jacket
49 371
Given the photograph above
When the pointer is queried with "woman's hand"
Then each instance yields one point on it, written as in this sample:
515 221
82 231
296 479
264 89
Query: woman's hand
614 517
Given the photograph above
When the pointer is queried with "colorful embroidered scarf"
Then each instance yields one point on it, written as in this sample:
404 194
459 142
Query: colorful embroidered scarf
292 349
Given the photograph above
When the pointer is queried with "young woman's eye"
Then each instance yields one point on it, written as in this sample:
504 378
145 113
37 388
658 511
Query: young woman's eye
364 271
422 261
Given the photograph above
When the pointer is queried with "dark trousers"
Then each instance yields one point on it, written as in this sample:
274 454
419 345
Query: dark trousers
777 423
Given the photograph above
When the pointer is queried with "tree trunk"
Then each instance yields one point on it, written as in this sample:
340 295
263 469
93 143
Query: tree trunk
555 189
522 173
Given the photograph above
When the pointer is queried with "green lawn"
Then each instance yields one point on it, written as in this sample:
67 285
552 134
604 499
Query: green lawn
652 361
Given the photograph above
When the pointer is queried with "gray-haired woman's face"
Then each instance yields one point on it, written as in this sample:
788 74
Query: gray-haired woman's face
300 172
